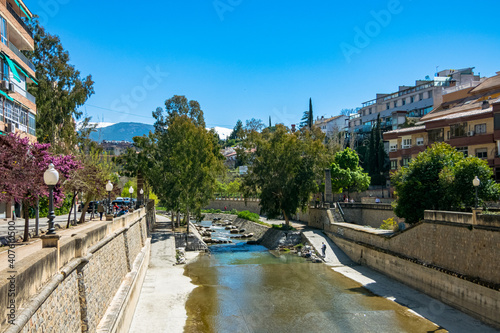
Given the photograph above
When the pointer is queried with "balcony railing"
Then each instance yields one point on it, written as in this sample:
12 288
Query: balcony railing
28 63
19 19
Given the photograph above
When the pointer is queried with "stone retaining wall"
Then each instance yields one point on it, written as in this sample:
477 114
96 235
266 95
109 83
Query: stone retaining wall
368 214
70 289
252 205
478 301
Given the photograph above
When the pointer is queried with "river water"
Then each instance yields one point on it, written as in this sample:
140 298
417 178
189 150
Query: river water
246 288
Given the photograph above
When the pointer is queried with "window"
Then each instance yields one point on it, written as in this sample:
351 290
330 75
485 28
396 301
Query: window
429 93
447 135
393 147
420 141
412 99
406 143
436 135
5 71
420 96
395 104
394 164
370 110
403 101
388 106
3 30
458 130
480 129
464 150
482 153
405 161
31 124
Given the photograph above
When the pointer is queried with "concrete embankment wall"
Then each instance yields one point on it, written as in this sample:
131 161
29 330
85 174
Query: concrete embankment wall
448 258
252 205
367 214
89 284
358 213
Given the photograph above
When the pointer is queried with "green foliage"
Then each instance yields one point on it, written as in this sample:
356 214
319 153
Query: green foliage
283 227
181 160
307 119
389 224
284 169
249 216
211 211
60 91
125 192
440 178
237 133
375 158
347 174
44 207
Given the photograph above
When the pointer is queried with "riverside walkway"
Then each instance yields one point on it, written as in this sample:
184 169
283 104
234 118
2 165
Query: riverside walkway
381 285
161 306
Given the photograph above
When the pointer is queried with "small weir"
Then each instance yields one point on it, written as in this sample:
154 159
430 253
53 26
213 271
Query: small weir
247 288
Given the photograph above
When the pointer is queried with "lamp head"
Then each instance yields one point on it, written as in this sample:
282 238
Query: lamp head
131 190
51 176
109 186
141 191
476 182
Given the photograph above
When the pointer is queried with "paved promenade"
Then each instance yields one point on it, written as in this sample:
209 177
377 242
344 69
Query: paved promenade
161 306
61 220
418 303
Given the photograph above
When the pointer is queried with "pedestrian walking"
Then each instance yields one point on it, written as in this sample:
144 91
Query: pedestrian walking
323 249
100 210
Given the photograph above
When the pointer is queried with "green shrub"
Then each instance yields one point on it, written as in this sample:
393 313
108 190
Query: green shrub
282 227
249 216
389 224
233 211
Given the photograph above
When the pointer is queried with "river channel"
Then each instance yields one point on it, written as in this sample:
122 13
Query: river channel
246 288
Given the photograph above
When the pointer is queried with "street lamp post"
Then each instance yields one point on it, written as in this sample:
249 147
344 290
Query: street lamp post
109 188
141 192
51 177
382 185
476 182
131 191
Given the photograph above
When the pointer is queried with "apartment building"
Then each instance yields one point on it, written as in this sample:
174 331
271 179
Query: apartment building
17 106
409 101
467 119
332 125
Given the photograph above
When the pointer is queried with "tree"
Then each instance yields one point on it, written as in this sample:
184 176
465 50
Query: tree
254 125
347 174
284 170
59 93
440 178
22 165
307 119
237 133
183 158
375 157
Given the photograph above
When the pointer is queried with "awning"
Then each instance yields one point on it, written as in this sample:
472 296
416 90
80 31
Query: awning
24 11
26 74
12 67
6 96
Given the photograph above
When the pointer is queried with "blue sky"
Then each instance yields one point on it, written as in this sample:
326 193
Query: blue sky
245 59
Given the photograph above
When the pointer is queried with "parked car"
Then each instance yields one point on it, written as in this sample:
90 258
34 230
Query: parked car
92 204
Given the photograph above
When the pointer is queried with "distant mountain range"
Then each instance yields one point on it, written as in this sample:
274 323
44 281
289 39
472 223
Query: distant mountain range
121 131
126 131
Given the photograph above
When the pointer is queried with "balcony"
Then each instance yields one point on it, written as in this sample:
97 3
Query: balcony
21 56
19 19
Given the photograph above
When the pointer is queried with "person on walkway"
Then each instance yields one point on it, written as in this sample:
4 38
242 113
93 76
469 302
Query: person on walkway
377 200
323 249
100 210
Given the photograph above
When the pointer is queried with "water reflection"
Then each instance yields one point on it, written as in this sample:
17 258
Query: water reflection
244 288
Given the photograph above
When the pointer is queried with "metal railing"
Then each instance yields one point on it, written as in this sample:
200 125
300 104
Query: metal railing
341 211
19 19
28 63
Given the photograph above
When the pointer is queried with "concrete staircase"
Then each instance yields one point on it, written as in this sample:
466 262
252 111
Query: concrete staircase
337 216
